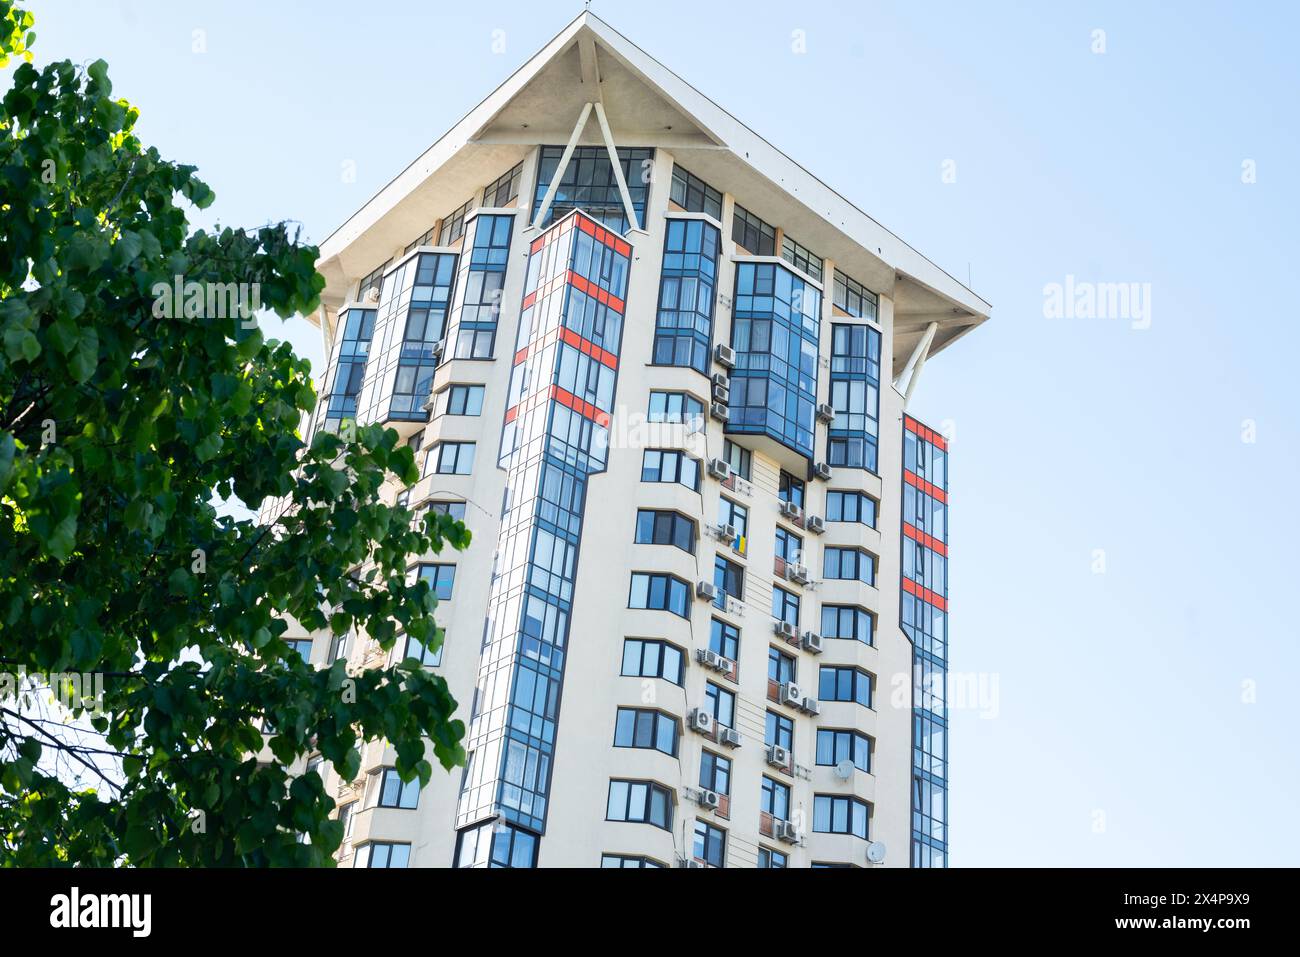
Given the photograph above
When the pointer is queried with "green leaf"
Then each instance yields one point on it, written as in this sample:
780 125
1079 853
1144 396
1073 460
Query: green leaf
7 450
85 356
63 539
21 344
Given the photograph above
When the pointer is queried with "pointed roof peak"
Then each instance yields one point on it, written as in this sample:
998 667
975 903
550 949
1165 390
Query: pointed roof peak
646 104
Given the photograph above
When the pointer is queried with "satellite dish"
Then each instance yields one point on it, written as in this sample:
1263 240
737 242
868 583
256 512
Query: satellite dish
844 770
876 852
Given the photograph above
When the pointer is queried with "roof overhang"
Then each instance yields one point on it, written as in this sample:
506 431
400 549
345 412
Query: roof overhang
647 105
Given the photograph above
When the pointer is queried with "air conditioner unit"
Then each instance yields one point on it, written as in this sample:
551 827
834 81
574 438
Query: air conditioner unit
720 412
811 705
812 642
729 736
727 533
719 469
372 294
436 349
790 510
721 379
711 659
706 590
791 694
724 355
689 862
815 524
784 629
700 720
826 412
778 756
823 471
785 832
796 572
721 393
709 799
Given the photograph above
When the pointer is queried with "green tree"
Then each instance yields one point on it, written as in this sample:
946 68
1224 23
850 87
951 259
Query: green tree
123 417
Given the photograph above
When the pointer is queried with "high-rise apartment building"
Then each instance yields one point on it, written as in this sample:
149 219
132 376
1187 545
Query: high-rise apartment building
660 370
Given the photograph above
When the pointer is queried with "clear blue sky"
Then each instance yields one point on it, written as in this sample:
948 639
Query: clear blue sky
1119 692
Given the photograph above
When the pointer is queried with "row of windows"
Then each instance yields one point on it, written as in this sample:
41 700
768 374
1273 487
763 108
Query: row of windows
655 658
647 802
671 528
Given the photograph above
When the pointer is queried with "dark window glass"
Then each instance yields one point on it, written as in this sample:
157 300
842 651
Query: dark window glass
715 772
724 639
833 814
666 465
801 258
710 844
845 684
648 658
779 730
390 791
852 507
721 704
640 802
781 667
834 746
847 621
694 195
677 407
853 297
644 728
441 578
785 606
589 184
752 234
775 799
501 191
660 592
665 528
848 564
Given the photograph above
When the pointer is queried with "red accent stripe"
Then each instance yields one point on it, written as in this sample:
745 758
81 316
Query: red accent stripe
603 356
929 541
933 598
566 398
925 432
581 406
929 488
591 289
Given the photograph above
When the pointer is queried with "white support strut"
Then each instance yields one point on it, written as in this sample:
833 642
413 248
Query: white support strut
628 208
916 362
563 165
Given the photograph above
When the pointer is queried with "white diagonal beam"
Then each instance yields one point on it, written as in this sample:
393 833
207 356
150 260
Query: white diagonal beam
917 362
628 209
563 165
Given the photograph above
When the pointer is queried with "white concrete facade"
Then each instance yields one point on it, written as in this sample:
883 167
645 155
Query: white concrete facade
649 107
